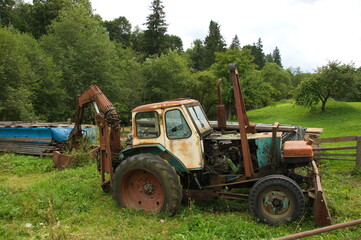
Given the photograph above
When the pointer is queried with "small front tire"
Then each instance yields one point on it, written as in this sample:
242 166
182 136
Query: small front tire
276 199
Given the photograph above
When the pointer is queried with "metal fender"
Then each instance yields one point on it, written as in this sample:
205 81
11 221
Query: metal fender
159 150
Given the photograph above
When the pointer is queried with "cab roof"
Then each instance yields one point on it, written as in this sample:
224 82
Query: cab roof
165 104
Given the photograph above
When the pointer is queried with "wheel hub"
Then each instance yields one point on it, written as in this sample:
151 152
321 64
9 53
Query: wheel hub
141 189
148 188
276 202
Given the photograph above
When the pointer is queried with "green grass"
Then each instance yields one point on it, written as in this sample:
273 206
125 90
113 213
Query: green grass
71 205
339 119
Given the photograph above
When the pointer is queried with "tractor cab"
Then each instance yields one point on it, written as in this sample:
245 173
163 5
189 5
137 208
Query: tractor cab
178 125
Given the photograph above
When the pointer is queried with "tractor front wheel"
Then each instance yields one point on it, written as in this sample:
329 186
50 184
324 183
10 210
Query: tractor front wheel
147 182
276 199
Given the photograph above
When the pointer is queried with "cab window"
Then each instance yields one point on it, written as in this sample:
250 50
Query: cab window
176 125
147 124
199 118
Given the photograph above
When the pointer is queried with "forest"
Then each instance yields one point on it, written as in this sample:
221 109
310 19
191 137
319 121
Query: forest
52 50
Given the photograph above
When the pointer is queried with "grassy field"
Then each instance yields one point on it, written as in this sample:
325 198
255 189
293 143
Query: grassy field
39 202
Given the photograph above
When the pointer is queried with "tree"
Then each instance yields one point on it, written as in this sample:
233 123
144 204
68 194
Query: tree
21 17
332 80
137 39
173 43
164 76
45 11
81 48
276 55
197 55
47 95
355 96
256 91
132 87
202 86
5 11
15 76
257 53
29 81
297 76
244 61
269 58
154 36
279 79
119 30
213 43
259 56
235 43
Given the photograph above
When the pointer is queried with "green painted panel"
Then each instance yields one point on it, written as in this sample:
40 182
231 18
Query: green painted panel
264 150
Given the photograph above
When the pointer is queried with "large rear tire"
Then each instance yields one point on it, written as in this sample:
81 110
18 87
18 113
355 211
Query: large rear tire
147 182
276 199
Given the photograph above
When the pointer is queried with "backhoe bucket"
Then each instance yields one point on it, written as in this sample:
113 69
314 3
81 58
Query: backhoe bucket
62 161
321 213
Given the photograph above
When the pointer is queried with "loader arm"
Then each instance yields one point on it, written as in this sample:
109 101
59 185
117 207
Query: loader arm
108 122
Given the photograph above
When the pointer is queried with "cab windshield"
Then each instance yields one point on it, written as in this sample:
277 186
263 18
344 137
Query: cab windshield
200 119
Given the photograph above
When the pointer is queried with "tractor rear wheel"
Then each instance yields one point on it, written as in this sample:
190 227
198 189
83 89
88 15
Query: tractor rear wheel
276 199
147 182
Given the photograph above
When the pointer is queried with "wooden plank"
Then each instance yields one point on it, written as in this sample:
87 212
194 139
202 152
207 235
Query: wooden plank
267 127
336 139
314 130
341 159
358 157
334 148
26 139
335 154
26 148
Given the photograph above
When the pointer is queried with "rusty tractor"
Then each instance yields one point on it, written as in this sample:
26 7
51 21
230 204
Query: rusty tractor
175 153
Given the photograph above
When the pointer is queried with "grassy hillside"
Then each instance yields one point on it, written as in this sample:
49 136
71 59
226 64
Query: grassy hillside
39 202
339 119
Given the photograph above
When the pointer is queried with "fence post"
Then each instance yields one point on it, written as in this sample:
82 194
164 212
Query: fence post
358 155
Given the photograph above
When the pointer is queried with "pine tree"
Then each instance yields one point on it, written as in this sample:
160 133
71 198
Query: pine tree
259 55
214 42
257 52
235 43
154 36
277 57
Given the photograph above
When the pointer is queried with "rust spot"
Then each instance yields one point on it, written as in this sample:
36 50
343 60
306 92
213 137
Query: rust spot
166 104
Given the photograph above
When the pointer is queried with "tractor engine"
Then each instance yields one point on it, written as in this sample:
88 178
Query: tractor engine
223 157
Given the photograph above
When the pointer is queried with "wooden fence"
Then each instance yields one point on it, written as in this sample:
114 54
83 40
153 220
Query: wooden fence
319 151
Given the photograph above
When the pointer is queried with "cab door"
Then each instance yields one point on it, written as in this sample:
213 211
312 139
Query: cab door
182 139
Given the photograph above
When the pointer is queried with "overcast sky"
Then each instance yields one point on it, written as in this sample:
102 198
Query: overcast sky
307 32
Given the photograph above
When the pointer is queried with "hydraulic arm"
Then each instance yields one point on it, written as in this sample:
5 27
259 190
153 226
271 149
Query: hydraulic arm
108 122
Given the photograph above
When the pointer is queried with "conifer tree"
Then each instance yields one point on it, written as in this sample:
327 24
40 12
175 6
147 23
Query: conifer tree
276 55
259 55
154 36
235 43
214 42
